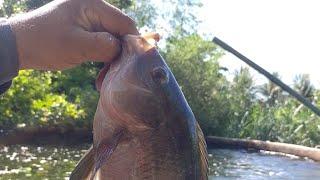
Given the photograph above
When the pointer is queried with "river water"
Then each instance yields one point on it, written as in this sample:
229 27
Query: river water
56 162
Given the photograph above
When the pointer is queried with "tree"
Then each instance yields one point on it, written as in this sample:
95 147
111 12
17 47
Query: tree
39 98
74 88
241 97
184 19
194 64
271 92
303 85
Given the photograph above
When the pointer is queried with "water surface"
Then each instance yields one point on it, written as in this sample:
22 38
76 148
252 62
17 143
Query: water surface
241 164
56 162
39 162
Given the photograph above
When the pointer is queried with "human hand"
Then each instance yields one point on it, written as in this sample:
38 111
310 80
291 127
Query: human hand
66 33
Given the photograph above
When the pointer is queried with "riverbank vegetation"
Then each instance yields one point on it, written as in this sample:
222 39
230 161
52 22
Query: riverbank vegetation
234 107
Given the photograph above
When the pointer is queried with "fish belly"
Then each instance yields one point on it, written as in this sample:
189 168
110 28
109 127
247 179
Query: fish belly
145 158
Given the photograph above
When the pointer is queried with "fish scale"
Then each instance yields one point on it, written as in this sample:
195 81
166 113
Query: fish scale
157 157
160 138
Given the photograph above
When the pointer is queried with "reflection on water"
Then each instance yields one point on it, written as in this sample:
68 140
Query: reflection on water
51 162
33 162
240 164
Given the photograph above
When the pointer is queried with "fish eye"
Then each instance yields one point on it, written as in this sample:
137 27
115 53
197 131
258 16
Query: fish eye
160 75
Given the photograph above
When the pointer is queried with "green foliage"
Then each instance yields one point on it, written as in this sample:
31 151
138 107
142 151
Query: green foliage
234 108
303 85
10 7
194 64
183 15
121 4
285 119
143 12
33 101
240 97
238 108
39 98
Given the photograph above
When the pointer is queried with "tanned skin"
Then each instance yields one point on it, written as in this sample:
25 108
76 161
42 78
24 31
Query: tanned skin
66 33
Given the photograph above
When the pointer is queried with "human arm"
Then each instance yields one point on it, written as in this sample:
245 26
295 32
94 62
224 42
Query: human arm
63 34
66 33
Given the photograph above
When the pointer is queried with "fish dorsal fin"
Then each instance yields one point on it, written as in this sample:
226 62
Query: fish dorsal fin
203 153
141 44
152 38
84 168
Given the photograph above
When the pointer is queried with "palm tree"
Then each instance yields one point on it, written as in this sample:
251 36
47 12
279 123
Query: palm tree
271 92
303 85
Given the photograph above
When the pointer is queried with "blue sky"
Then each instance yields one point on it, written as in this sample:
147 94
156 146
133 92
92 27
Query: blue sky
281 36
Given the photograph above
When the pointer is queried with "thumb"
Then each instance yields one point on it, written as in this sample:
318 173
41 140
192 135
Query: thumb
97 46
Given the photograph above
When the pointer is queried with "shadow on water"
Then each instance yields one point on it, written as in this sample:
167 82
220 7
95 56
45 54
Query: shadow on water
56 162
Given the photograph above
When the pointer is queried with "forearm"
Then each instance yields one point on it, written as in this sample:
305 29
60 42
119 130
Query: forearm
9 64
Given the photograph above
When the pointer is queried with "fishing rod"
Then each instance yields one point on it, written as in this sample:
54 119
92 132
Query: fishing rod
268 75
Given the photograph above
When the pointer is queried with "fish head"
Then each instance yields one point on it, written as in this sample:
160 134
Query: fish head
139 93
139 90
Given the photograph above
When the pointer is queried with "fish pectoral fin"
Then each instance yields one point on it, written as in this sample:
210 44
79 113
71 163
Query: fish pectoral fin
104 150
84 168
203 153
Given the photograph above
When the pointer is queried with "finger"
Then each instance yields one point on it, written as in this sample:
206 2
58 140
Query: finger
114 21
97 46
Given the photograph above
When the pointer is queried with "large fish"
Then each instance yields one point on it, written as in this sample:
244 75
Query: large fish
143 127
